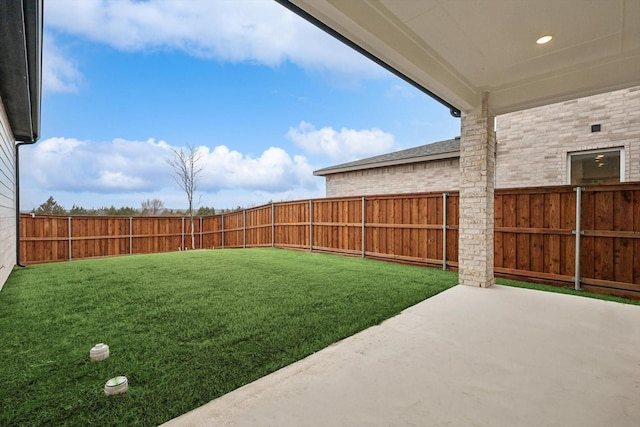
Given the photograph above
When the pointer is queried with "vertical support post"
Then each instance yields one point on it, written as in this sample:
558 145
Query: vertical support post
222 231
310 226
477 182
130 235
69 227
578 233
182 244
273 226
244 228
445 196
363 227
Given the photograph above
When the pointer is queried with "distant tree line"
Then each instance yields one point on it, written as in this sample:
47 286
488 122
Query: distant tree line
149 207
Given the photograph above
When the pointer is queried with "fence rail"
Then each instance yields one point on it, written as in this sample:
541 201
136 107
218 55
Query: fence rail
537 231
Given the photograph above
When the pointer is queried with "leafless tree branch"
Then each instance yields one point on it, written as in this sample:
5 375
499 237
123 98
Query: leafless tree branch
187 172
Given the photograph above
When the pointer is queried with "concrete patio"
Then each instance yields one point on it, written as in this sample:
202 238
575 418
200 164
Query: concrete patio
467 357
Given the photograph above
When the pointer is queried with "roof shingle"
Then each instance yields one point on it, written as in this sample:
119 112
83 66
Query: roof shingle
427 152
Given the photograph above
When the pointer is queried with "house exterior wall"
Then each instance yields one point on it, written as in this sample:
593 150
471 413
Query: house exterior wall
532 149
533 145
440 175
7 198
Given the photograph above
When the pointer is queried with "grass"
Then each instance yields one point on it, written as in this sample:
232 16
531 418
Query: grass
565 290
184 327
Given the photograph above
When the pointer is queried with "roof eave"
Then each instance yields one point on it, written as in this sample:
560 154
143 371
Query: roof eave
399 162
21 29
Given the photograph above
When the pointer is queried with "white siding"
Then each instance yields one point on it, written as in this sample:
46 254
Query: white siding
7 198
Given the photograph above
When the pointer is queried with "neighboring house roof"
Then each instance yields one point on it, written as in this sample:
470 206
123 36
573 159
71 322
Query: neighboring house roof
435 151
21 66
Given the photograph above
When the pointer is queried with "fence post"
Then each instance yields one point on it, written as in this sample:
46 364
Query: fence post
273 225
200 232
244 228
363 227
310 226
445 196
130 235
182 244
578 233
222 231
69 226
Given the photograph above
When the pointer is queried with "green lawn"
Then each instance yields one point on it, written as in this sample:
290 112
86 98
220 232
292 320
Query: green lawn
565 290
184 327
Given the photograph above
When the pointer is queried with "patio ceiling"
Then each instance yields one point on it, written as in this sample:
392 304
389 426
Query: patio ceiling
459 49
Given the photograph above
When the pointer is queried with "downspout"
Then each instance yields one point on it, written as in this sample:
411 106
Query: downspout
18 199
34 137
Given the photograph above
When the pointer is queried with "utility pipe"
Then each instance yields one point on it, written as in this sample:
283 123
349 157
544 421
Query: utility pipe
182 244
18 145
444 230
310 226
70 239
363 227
33 132
578 232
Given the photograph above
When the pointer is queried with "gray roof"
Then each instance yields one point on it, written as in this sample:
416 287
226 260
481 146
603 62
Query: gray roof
21 66
424 153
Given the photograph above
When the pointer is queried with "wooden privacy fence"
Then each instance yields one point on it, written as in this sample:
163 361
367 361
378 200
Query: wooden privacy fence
537 231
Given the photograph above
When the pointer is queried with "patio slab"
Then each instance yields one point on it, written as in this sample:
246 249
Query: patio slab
467 357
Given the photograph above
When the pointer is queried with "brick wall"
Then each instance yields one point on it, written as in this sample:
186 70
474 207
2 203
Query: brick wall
477 179
440 175
532 148
533 145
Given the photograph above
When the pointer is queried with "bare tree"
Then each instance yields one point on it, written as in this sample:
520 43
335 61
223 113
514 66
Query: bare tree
186 172
152 207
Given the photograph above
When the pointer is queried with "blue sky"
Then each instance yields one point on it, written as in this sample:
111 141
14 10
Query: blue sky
266 97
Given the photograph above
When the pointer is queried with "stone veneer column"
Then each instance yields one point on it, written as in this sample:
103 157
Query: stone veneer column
477 180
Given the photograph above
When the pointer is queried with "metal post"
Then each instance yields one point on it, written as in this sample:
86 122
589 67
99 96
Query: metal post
222 231
69 226
273 226
200 232
363 233
578 233
182 245
244 228
444 230
310 226
130 235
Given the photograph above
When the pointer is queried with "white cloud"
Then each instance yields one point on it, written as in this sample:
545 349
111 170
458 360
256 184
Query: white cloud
344 145
259 31
120 166
273 171
67 164
59 73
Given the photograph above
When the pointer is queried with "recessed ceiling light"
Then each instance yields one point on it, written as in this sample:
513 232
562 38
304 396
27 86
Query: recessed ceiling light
544 39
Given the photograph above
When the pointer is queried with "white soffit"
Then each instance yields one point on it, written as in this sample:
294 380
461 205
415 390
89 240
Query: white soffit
460 48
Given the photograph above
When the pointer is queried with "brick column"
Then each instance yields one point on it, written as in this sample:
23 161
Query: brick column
477 180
